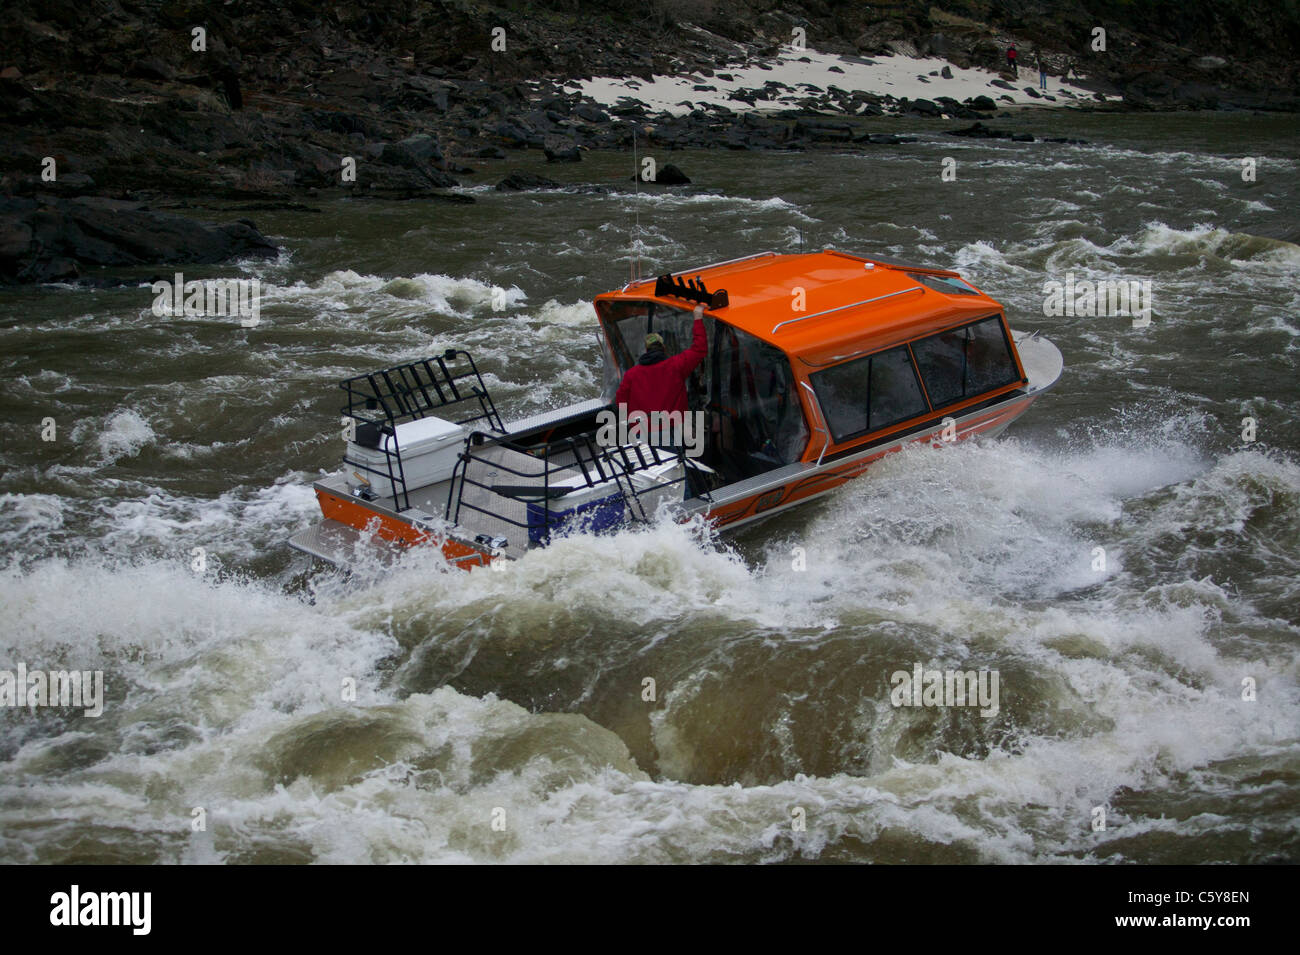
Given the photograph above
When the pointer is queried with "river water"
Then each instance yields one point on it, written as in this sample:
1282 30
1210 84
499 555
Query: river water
503 716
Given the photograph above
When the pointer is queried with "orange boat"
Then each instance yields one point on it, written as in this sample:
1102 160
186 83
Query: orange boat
818 364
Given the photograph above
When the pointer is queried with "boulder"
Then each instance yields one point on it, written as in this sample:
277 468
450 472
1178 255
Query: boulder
670 175
48 239
820 130
979 131
590 114
572 154
519 181
417 152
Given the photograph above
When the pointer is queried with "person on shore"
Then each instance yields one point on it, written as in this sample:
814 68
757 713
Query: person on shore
1011 61
1042 73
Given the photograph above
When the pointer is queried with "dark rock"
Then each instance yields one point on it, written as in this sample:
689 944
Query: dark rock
670 175
884 139
43 240
416 152
877 37
518 181
403 179
72 184
980 131
1197 95
151 68
515 136
572 154
983 104
820 130
946 72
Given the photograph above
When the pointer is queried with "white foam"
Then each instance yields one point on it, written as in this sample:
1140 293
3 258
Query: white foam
121 434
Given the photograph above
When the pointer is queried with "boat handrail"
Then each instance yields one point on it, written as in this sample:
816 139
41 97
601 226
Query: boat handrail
840 308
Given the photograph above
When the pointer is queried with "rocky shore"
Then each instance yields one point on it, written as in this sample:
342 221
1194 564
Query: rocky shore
153 104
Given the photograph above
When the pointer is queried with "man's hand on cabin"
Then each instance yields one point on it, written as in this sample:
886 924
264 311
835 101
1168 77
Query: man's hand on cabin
699 311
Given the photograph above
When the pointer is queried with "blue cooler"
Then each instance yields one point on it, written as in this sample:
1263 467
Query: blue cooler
597 508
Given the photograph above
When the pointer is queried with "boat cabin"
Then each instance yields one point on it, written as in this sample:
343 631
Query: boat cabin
815 355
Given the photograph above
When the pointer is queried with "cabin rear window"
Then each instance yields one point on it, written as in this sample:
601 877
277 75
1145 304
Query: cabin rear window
869 393
965 362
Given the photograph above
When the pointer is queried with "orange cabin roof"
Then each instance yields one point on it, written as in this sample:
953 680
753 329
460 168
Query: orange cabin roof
875 302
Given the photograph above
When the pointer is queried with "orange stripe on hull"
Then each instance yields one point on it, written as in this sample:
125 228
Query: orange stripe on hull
399 532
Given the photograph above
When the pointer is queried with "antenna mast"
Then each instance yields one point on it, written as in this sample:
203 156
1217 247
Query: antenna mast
635 264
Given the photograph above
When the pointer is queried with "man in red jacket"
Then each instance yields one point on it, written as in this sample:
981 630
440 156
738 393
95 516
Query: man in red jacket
657 382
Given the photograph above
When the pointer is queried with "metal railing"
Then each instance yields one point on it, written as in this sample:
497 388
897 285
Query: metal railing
379 401
545 474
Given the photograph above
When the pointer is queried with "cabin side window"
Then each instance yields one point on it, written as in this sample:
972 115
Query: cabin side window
869 393
965 362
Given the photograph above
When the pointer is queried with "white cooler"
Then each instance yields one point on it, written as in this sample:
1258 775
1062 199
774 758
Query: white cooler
430 449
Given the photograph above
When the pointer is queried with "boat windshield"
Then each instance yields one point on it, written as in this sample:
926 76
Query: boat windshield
628 323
